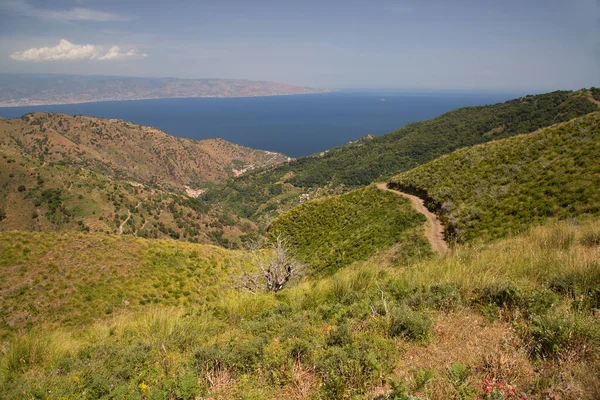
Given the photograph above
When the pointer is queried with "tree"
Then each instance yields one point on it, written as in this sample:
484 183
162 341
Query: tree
275 266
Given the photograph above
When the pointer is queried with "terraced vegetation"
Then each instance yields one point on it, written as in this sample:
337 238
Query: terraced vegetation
516 314
267 192
333 232
503 187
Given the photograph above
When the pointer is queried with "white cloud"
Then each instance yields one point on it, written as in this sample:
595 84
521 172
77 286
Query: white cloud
85 14
114 53
74 14
67 51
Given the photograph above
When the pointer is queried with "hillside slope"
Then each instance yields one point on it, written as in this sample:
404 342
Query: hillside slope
125 150
516 317
37 195
267 192
493 189
73 279
333 232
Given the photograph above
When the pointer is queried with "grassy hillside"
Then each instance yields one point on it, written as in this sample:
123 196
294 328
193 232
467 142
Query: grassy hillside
333 232
125 150
494 189
37 195
515 315
360 163
73 279
91 315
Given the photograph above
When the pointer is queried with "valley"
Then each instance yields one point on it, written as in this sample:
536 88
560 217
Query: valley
456 257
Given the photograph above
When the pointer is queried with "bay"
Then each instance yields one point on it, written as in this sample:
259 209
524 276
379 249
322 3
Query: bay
296 125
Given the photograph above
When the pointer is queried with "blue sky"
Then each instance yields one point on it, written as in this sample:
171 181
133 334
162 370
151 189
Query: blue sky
534 45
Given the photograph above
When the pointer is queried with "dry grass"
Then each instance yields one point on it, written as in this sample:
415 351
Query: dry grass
489 349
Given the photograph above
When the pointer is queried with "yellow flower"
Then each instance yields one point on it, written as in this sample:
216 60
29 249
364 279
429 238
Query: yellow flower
144 388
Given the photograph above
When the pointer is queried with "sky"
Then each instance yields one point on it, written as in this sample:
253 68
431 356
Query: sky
464 45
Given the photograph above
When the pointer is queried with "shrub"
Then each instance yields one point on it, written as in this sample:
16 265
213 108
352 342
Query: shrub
416 325
188 387
581 287
422 376
300 350
589 239
334 386
500 295
553 335
458 375
444 297
340 336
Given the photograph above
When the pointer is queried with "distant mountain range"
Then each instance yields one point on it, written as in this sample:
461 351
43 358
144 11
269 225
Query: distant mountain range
44 89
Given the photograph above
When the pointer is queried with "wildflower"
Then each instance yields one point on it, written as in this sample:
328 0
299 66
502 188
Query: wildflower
144 388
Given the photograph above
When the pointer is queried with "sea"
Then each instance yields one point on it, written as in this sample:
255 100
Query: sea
296 125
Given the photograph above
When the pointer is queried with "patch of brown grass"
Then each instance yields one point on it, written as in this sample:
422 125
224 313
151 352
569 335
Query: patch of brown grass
489 349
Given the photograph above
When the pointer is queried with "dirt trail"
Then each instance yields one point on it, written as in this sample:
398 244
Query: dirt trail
434 230
592 99
127 219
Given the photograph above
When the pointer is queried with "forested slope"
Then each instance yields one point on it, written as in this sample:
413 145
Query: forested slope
494 189
369 159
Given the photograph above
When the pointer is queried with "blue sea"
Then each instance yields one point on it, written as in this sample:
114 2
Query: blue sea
296 125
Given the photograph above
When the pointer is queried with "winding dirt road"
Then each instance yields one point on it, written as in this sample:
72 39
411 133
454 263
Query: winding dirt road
434 230
127 219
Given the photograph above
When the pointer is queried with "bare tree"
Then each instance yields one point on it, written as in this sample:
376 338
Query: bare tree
275 266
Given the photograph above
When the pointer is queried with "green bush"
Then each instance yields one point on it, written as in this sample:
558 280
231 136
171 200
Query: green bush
458 375
340 336
405 322
530 303
188 387
445 297
555 334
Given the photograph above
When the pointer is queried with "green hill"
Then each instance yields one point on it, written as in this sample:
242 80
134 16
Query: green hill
73 279
498 188
335 231
364 161
516 314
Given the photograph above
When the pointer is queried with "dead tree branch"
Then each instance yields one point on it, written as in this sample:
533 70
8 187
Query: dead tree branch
275 265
